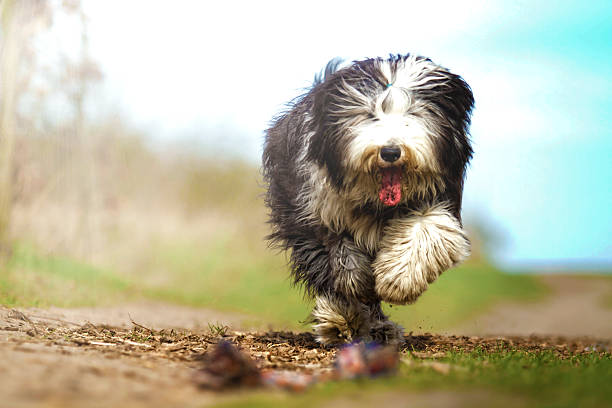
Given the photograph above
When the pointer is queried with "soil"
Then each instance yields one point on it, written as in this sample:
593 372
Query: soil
105 357
575 307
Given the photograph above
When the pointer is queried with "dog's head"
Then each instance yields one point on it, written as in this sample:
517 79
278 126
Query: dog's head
382 126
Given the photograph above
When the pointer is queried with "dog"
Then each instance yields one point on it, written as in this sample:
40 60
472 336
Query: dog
364 177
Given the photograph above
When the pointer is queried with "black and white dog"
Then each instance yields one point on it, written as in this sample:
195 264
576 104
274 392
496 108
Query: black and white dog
365 177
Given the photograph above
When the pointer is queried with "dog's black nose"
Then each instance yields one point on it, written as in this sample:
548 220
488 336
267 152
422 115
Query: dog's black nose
390 153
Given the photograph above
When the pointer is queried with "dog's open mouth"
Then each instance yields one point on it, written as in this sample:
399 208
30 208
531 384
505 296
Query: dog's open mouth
391 186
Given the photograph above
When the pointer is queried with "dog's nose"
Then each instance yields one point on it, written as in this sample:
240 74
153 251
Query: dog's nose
390 153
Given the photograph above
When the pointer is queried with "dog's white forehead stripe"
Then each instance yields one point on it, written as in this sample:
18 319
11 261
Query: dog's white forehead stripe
411 73
393 100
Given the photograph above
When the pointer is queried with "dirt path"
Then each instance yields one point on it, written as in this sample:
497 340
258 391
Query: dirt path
150 314
94 357
44 362
575 307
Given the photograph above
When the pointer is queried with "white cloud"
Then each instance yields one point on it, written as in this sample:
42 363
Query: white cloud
240 61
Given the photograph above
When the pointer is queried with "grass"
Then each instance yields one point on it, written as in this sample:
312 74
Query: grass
504 378
229 275
217 329
31 278
257 280
460 293
238 274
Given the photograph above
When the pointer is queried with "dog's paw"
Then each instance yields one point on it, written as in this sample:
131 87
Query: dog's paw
415 250
338 321
387 332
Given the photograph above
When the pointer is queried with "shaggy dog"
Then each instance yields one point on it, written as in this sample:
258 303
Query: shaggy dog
365 177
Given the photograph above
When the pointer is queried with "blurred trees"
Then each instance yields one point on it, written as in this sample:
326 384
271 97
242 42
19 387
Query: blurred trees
36 76
8 67
19 21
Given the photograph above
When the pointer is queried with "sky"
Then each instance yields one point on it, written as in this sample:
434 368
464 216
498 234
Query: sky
541 72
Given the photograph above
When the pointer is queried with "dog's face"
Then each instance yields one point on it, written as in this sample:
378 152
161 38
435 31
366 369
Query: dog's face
392 128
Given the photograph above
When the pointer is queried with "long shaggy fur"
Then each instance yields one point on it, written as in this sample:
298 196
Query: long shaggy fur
325 170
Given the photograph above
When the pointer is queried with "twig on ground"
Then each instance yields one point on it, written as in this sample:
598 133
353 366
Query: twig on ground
101 343
151 331
16 314
130 342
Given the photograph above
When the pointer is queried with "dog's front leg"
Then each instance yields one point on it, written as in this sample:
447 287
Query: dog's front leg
415 250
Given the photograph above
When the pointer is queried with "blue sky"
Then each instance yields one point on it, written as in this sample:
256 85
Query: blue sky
549 187
541 72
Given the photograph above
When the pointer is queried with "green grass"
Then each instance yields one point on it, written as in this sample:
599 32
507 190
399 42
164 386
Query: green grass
30 278
504 378
462 292
253 280
239 274
231 275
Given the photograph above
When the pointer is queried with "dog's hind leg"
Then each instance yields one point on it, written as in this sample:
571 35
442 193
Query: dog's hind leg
339 275
350 270
338 320
415 250
344 288
340 313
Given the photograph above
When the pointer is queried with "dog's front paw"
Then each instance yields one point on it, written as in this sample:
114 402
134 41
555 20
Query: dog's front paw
415 250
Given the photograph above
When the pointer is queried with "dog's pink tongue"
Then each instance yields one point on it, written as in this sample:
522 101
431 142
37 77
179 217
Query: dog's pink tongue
391 190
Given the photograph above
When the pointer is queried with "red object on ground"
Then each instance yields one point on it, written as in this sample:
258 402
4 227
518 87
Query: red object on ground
288 380
366 360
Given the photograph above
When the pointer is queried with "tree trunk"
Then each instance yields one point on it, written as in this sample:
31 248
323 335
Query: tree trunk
9 63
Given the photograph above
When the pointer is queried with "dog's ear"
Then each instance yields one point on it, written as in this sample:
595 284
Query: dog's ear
452 102
324 147
455 101
332 66
461 102
323 86
321 95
